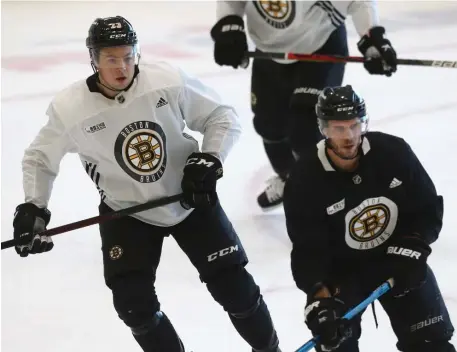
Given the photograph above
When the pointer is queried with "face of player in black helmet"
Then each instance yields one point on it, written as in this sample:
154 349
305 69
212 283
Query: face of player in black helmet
344 137
116 67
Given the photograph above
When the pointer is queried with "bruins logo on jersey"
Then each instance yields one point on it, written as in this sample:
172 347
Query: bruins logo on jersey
278 14
140 151
371 223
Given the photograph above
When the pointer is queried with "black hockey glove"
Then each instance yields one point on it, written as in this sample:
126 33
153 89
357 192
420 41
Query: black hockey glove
380 57
28 221
230 43
407 263
201 173
323 318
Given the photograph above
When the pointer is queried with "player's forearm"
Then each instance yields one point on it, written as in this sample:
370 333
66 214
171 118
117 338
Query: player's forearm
227 8
38 179
222 130
428 222
364 15
309 270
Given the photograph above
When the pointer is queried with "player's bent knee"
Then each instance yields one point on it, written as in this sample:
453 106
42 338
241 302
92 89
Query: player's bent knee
136 303
148 325
235 290
248 312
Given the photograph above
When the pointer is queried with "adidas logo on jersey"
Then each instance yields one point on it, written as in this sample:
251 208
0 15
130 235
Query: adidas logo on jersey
395 183
162 102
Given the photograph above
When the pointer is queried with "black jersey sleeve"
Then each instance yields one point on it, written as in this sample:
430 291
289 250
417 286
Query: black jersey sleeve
425 215
305 222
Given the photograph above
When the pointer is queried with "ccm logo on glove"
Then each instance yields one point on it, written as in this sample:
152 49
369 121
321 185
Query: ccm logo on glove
199 161
403 251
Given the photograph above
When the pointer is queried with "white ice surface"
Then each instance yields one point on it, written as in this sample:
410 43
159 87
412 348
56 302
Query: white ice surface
58 302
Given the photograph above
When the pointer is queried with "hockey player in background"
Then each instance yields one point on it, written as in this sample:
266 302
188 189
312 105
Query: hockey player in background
283 93
361 209
127 126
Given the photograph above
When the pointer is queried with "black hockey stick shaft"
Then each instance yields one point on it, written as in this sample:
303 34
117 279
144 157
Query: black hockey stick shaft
339 58
102 218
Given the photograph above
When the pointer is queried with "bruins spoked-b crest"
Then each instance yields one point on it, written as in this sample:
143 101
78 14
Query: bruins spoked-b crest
371 223
279 14
140 151
116 252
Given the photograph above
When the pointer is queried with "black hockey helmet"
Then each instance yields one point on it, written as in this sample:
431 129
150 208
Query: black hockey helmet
340 103
110 31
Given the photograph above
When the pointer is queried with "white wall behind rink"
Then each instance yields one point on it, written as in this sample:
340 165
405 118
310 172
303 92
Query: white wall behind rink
27 22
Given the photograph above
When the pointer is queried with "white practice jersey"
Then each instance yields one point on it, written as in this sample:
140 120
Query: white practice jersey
133 147
298 26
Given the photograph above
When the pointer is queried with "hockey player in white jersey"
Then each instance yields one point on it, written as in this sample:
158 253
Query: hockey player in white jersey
127 126
284 93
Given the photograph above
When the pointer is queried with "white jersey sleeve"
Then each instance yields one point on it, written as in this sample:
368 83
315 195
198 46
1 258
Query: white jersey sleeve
364 15
40 164
200 105
226 8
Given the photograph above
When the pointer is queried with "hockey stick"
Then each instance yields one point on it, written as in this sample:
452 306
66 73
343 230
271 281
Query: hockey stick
386 286
338 58
102 218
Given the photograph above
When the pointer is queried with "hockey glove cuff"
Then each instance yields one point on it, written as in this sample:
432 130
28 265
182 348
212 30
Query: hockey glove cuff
230 42
201 173
407 262
380 57
29 220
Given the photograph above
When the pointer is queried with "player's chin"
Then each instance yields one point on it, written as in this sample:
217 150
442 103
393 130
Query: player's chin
349 152
121 82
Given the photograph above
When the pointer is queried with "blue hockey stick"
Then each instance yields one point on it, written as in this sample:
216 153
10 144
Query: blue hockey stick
386 286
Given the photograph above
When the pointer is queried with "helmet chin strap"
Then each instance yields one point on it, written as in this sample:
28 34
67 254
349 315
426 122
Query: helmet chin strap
107 87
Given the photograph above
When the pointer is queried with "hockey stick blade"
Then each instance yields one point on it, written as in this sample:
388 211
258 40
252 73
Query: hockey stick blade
339 58
102 218
386 286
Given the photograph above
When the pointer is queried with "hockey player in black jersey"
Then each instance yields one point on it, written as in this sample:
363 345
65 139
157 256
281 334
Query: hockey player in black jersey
284 92
361 209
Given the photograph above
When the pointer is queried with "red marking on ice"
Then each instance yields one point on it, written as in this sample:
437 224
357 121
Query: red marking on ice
35 63
40 62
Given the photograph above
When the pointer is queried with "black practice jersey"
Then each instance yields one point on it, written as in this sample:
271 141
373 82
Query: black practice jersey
337 218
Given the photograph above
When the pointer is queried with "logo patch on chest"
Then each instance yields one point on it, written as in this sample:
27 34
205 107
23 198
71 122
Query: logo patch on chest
278 14
371 223
335 207
140 151
95 128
